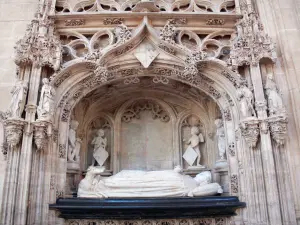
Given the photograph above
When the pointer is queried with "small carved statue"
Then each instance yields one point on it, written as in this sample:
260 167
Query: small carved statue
246 98
74 143
194 147
17 104
221 138
100 142
274 99
45 108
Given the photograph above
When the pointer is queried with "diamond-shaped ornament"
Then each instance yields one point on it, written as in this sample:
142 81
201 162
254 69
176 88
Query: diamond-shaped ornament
146 53
101 155
190 155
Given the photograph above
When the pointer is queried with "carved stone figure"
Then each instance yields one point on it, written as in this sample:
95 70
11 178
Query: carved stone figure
194 148
100 142
137 183
45 108
17 104
274 99
74 143
221 138
246 98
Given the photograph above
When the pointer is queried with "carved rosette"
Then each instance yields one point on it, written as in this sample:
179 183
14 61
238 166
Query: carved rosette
13 131
40 134
278 128
250 131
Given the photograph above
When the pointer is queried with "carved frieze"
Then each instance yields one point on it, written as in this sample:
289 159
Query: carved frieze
113 21
215 22
74 22
200 221
134 110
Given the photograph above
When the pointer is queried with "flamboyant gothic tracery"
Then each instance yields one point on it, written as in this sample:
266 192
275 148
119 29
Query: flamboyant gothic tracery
146 87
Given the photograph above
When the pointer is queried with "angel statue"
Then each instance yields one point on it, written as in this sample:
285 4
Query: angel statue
100 142
193 150
74 143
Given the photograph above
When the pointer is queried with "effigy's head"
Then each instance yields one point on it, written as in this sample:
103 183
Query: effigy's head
74 124
203 178
178 169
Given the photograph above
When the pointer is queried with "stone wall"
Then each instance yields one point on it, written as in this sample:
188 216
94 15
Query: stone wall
15 15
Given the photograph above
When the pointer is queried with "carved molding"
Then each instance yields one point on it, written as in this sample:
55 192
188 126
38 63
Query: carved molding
113 21
215 22
231 149
134 110
200 221
62 151
234 183
74 22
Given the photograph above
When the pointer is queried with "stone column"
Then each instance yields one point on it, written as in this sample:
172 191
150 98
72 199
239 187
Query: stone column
271 185
26 150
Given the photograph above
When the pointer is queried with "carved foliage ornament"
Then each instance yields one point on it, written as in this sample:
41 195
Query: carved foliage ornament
250 131
122 33
134 110
74 22
13 131
250 43
278 127
202 221
191 63
39 47
234 183
40 134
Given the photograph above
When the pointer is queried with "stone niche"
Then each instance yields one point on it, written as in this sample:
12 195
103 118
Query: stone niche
146 126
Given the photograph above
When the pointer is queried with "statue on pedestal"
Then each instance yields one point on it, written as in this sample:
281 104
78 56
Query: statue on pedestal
274 99
100 142
17 103
221 138
74 143
192 152
246 98
137 183
45 109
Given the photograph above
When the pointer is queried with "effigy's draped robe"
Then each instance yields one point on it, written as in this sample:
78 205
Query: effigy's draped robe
133 183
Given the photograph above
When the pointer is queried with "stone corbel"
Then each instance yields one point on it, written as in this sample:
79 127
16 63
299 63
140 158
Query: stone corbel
278 128
250 131
42 131
13 131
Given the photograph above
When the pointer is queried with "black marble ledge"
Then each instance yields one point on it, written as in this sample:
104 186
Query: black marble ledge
147 208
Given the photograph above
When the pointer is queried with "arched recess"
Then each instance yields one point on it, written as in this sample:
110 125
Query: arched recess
120 64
